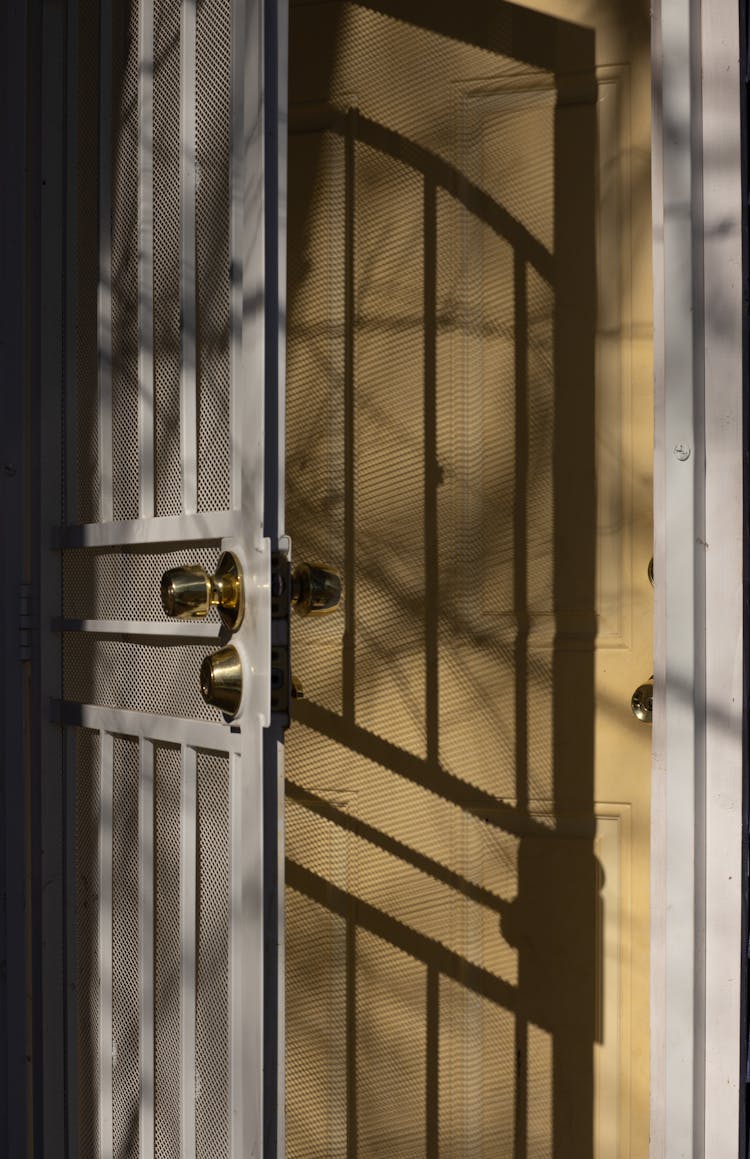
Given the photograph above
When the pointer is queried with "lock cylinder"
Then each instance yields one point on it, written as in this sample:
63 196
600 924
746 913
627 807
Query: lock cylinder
221 680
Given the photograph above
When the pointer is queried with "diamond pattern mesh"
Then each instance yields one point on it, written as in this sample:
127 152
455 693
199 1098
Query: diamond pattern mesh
87 933
125 470
86 503
167 478
213 59
125 942
125 585
167 952
136 675
212 990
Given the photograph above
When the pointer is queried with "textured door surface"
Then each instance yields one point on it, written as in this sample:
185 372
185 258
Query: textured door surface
469 440
164 465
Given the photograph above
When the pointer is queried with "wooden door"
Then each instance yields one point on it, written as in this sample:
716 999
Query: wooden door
469 440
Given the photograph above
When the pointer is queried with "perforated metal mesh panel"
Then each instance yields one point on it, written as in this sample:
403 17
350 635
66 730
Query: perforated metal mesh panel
167 197
212 989
125 941
86 497
137 675
167 952
86 936
125 457
125 585
213 60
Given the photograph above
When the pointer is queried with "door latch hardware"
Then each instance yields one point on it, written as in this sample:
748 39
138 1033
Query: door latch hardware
316 590
221 680
642 701
190 592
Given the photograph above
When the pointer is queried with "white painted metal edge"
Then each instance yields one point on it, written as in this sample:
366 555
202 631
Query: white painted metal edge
105 944
696 870
104 292
208 526
146 257
188 395
167 729
146 946
722 551
235 246
164 630
188 948
246 949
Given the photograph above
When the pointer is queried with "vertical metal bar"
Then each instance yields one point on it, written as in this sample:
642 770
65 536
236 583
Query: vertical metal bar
676 1004
188 973
236 966
104 295
246 1016
236 264
188 389
105 944
146 256
146 945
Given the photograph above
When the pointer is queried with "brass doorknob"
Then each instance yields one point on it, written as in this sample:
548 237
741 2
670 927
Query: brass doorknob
190 592
221 680
642 701
316 590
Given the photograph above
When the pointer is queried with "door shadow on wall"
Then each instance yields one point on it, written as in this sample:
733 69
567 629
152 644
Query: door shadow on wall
444 917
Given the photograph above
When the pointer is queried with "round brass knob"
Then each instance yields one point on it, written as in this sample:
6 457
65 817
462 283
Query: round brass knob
186 592
221 680
642 702
316 590
189 592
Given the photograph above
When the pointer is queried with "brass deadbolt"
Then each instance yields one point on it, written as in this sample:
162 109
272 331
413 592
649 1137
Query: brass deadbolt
190 592
642 702
221 680
316 590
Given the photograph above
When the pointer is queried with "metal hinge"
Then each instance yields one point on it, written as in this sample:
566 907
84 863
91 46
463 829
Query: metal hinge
24 622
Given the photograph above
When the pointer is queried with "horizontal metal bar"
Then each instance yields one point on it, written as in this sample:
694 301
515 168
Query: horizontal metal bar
181 630
152 726
207 526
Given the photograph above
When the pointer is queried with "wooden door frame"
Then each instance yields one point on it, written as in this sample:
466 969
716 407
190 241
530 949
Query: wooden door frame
697 871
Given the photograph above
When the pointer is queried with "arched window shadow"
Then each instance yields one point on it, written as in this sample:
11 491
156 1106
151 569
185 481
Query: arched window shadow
552 921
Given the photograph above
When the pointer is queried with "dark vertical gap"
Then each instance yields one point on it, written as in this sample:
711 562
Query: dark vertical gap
431 472
351 1037
520 598
520 530
744 1144
349 666
432 1133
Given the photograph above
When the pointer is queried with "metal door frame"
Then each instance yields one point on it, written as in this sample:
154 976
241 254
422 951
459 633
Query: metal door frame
697 871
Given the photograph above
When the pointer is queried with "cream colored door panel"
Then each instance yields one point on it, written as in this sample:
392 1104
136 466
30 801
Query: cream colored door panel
468 439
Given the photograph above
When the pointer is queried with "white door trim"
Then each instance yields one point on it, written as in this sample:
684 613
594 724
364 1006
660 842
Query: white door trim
696 868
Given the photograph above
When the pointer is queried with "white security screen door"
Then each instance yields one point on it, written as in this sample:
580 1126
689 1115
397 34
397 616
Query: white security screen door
172 303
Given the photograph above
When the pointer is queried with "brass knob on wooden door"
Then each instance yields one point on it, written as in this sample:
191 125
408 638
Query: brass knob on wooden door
316 590
190 592
642 701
